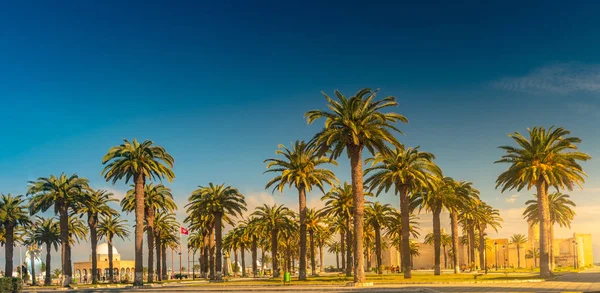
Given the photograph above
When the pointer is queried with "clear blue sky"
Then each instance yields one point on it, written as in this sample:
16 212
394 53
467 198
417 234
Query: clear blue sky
220 84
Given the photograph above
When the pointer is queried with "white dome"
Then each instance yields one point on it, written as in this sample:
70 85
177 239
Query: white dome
103 249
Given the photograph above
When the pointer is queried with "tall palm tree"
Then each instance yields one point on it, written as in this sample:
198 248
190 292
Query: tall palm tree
300 167
435 201
223 202
165 224
47 232
461 195
94 203
561 212
274 219
313 225
339 205
335 248
322 237
138 161
251 228
485 216
548 158
379 216
533 254
13 214
61 193
445 241
353 124
409 171
518 240
156 198
112 226
395 228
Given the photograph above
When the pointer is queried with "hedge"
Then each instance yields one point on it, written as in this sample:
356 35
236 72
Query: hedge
11 285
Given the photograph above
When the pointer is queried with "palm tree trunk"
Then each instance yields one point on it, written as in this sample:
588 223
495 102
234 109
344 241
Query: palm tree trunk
368 255
254 256
518 256
32 256
211 257
481 248
358 211
163 253
243 252
94 243
378 249
65 245
405 216
551 246
312 253
219 239
150 236
337 260
205 253
445 258
110 260
274 253
322 256
437 240
454 231
157 245
262 260
544 211
302 209
9 249
471 231
48 279
343 248
289 258
348 250
139 230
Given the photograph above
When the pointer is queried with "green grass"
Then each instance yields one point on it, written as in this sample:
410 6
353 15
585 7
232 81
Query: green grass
418 277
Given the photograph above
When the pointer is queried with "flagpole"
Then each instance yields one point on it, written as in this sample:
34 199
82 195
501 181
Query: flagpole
180 243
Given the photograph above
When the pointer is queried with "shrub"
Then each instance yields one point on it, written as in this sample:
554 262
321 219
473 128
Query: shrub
11 285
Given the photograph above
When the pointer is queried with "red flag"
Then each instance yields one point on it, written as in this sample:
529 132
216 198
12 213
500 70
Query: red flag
184 231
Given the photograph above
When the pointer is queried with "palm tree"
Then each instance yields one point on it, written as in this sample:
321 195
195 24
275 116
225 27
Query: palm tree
300 167
533 254
61 193
94 203
47 232
353 124
413 251
409 171
485 216
518 240
164 224
313 224
110 227
445 240
561 212
138 161
156 198
274 219
335 247
379 216
338 205
549 158
13 214
461 195
222 202
322 237
395 228
435 201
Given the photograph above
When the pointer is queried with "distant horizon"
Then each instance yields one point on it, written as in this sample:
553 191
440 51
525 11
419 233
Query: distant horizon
219 86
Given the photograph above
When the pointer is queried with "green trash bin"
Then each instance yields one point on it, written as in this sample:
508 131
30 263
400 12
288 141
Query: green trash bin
287 278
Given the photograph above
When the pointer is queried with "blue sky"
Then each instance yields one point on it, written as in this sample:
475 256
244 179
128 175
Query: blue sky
220 85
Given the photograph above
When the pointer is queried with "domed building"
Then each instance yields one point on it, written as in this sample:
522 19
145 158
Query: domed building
123 269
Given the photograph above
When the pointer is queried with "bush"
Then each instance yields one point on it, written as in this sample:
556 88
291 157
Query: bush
11 285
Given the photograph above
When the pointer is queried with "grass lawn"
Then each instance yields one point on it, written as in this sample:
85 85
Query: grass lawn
417 277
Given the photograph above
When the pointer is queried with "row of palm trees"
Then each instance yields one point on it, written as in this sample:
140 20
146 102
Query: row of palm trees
547 158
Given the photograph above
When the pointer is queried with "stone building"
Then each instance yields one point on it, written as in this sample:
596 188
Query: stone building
123 269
